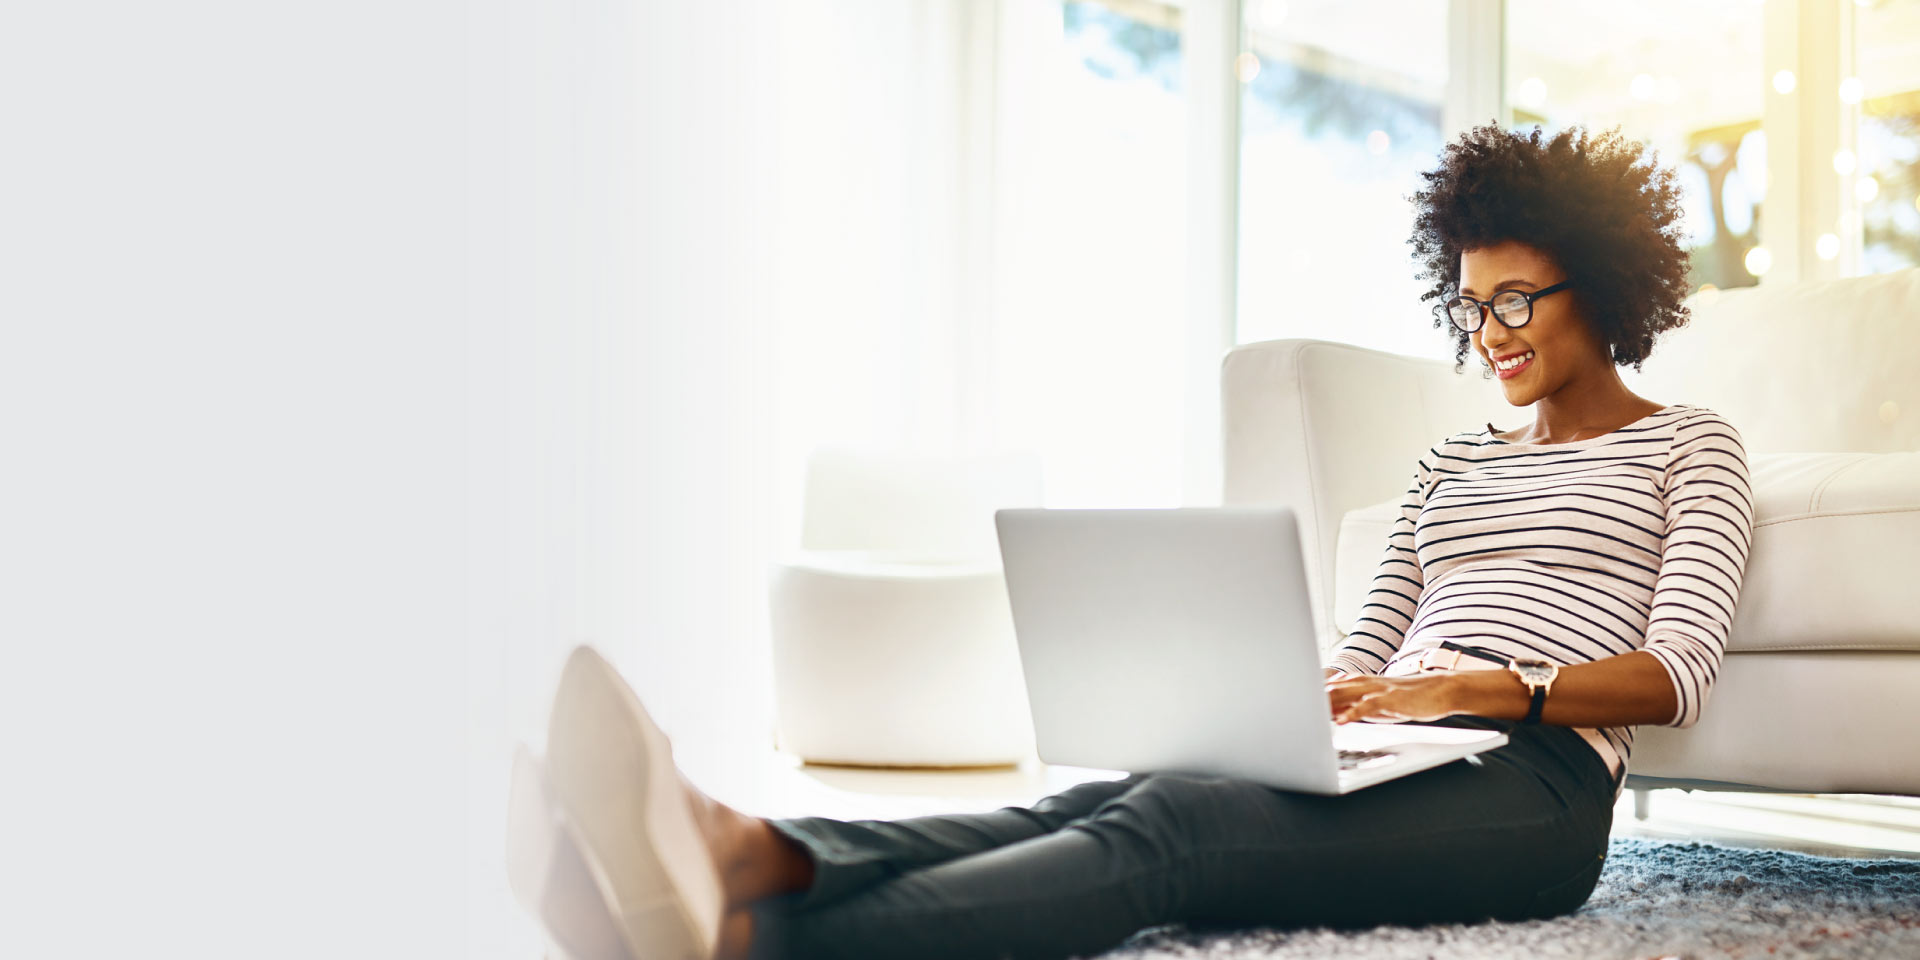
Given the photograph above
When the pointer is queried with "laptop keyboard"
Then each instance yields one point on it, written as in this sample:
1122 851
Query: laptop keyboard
1354 759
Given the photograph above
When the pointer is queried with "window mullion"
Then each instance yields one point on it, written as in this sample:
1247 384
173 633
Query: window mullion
1211 42
1476 66
1806 126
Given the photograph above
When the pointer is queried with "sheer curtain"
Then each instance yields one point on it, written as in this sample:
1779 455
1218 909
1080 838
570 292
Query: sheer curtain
708 237
622 176
711 238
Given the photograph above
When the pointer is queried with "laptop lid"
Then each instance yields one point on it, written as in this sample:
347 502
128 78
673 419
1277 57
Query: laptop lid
1169 639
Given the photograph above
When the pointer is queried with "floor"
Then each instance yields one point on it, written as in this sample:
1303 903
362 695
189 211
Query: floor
770 783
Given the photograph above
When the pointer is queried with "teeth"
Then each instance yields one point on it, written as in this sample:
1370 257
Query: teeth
1516 361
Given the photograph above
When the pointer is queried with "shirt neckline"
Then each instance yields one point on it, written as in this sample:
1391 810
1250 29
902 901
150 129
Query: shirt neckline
1576 444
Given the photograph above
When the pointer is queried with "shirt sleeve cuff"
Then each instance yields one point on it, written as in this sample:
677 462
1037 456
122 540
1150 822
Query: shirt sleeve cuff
1681 689
1349 662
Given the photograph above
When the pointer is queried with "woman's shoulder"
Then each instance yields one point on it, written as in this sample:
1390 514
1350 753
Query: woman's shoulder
1692 420
1706 445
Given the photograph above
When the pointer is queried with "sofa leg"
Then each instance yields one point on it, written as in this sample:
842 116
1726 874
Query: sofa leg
1642 802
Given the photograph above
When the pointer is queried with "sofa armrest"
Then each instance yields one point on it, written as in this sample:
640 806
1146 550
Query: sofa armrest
1326 427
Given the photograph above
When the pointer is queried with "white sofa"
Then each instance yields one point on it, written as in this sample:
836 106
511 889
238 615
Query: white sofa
1821 681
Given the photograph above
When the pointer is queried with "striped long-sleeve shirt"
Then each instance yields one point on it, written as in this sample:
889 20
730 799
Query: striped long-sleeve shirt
1570 552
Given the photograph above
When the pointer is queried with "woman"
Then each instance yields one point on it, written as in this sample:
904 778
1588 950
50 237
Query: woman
1564 581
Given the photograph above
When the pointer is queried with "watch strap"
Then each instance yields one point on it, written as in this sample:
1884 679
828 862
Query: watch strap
1539 701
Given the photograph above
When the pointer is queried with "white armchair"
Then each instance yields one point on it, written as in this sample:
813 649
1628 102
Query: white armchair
892 635
1824 652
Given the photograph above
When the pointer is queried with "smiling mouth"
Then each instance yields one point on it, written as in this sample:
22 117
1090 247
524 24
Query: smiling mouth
1511 367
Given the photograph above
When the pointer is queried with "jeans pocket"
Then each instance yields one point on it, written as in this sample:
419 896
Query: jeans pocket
1567 895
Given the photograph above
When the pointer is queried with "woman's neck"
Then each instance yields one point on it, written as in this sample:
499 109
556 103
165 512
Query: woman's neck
1580 410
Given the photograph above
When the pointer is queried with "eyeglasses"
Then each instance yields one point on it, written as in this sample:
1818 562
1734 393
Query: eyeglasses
1513 307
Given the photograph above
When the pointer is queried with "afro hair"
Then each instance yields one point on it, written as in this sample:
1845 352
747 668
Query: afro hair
1610 221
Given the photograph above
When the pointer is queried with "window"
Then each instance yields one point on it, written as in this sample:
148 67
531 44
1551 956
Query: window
1090 249
1886 183
1688 79
1337 121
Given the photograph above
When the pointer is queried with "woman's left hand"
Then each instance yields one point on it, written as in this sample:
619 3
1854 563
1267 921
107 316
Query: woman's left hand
1368 697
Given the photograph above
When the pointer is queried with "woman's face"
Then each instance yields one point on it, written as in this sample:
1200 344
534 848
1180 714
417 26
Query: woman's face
1563 347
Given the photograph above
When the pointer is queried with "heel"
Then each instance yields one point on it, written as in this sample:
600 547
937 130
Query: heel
612 771
551 875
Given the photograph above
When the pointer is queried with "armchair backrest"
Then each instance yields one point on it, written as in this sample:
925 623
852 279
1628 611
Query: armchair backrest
1324 428
931 507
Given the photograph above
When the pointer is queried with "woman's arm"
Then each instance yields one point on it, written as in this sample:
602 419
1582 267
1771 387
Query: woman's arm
1395 594
1625 690
1709 531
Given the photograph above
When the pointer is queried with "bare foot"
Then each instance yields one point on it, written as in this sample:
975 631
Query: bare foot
754 860
722 828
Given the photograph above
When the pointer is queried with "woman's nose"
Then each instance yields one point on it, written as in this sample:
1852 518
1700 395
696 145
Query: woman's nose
1492 331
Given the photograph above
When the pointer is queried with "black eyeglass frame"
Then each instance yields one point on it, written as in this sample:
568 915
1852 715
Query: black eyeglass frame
1484 307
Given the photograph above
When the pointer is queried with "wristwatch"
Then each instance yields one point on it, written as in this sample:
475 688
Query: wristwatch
1538 675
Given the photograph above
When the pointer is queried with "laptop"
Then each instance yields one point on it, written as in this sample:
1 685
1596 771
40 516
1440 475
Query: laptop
1181 640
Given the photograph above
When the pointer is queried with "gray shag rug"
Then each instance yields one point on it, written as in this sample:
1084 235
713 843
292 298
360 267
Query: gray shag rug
1654 899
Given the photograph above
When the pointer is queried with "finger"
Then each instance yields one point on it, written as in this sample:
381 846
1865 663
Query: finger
1355 685
1374 706
1354 708
1343 696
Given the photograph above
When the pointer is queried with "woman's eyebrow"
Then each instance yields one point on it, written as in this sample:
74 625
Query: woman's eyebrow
1502 286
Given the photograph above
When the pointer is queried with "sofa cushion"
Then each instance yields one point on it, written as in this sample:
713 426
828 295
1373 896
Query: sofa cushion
1836 553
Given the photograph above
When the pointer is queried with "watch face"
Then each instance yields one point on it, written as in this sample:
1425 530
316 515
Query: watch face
1534 671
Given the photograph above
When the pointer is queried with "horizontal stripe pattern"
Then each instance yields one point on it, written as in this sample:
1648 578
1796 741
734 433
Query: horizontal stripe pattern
1635 540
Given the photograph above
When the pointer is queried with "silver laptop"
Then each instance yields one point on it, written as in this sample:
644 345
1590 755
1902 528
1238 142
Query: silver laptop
1180 639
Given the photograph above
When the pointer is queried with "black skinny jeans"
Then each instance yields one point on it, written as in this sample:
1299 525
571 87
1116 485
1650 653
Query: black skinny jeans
1516 832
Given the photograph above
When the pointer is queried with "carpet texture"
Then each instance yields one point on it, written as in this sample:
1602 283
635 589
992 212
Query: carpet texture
1655 899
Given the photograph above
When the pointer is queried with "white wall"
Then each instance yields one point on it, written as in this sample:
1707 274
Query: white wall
233 404
359 358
